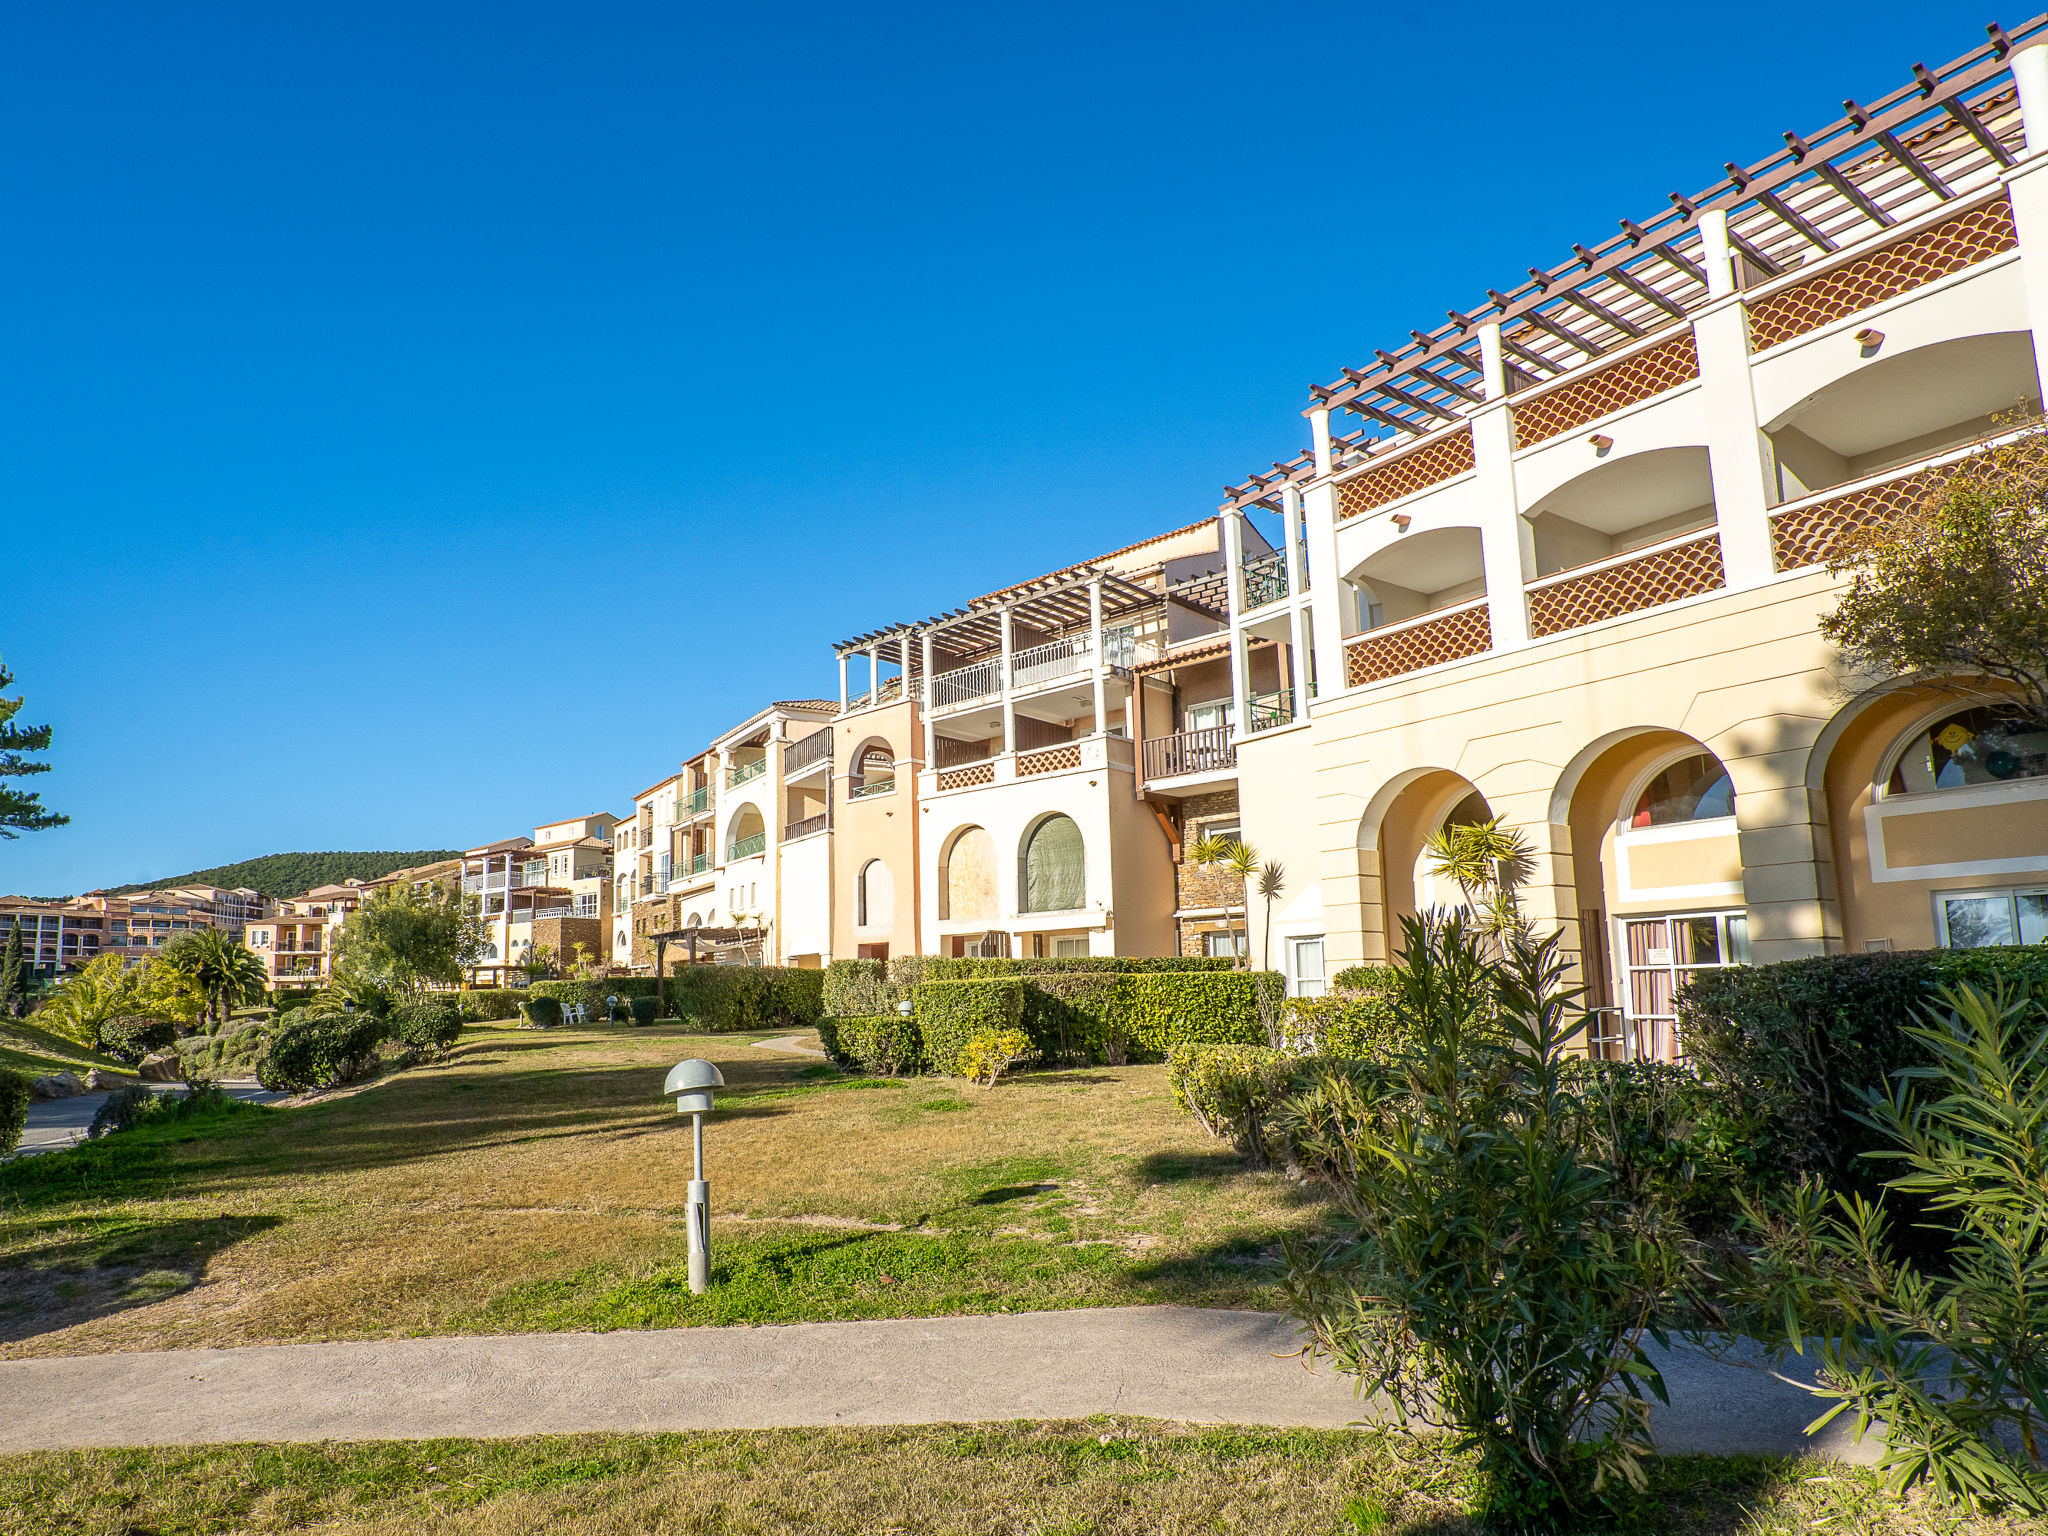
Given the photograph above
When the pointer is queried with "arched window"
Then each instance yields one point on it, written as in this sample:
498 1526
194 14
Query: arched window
967 877
874 896
1984 745
1696 788
873 771
1054 871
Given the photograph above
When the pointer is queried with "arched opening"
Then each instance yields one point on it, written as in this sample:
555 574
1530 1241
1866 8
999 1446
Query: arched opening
967 877
1432 890
1419 573
1642 499
1392 848
1052 874
1897 409
874 897
1978 744
871 771
1657 876
746 835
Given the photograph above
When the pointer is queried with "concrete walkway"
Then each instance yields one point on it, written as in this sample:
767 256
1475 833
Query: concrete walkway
54 1124
1159 1362
791 1045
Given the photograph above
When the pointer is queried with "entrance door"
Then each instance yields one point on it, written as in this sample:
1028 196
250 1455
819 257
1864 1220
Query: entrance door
1658 955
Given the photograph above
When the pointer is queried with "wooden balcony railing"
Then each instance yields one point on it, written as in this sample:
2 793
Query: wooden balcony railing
806 826
1204 751
1393 649
814 748
1642 578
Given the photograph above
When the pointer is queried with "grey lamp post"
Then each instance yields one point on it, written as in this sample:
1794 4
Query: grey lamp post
691 1082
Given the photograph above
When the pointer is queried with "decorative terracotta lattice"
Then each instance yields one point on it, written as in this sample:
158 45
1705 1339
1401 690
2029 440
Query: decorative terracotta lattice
1049 761
1685 570
1814 534
968 777
1372 657
1899 268
1637 377
1405 475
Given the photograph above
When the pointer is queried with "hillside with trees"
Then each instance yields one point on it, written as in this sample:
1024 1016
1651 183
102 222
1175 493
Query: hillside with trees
293 874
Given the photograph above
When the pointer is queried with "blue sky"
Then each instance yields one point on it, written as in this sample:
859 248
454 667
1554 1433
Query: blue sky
420 422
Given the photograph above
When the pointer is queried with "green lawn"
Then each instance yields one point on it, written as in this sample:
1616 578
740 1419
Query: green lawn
1099 1477
535 1181
38 1052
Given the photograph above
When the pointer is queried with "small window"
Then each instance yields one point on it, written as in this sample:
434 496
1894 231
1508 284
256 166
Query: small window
1224 944
1069 948
1659 955
1305 966
1695 789
1213 715
1974 919
1971 746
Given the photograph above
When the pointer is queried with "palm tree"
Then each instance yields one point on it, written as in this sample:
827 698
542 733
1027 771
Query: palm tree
1272 881
1489 865
1236 857
224 972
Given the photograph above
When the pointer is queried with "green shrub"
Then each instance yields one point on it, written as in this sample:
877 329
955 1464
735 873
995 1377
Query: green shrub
1355 1024
17 1090
1364 978
1673 1141
948 968
988 1055
856 989
731 997
589 992
133 1037
1067 1015
127 1108
541 1012
1155 1011
644 1009
319 1050
881 1044
484 1005
228 1053
1795 1041
951 1013
1232 1090
426 1027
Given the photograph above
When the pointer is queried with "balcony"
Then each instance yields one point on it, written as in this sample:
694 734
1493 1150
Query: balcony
746 848
868 788
967 685
647 885
806 827
1450 634
1088 754
1644 578
1205 751
1050 662
736 776
695 803
1265 579
699 863
1270 710
808 753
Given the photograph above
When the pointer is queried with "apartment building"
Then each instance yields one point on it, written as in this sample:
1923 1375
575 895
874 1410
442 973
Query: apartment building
59 937
1566 562
995 798
230 911
736 844
295 946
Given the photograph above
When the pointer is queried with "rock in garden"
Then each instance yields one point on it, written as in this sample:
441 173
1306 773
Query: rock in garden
99 1079
164 1067
59 1085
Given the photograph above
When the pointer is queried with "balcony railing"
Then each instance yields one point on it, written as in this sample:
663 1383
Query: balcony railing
746 848
1265 579
1642 578
966 685
1205 751
1271 709
1413 644
1047 663
807 826
736 776
1120 646
813 749
870 787
647 885
695 803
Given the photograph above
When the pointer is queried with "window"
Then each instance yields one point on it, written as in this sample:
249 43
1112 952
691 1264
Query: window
1054 873
1210 716
1230 944
1659 954
1973 919
1694 789
874 895
1305 966
1224 831
1971 746
1073 948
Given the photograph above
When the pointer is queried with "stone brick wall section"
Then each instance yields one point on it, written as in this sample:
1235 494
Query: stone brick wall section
661 914
563 934
1196 886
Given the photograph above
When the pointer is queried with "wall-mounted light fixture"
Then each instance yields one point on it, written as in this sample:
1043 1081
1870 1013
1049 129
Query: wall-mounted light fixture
1869 339
1402 520
1601 442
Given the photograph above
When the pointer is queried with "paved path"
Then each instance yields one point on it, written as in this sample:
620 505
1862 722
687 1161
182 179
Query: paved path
54 1124
1160 1362
792 1045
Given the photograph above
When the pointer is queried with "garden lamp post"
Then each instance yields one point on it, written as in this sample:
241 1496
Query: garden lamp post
691 1082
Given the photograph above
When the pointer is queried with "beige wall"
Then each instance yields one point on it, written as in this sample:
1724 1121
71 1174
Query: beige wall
1278 815
885 828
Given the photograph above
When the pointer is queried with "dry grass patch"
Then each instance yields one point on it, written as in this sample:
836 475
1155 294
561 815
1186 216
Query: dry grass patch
1099 1477
536 1180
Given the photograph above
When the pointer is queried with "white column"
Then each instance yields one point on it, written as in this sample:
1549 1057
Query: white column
1290 537
2027 185
1232 520
1297 633
931 756
842 682
874 674
1505 545
1100 659
1009 713
1319 533
1735 448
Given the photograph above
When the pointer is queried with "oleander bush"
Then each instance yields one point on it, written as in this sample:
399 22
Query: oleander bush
306 1050
951 1013
880 1044
135 1036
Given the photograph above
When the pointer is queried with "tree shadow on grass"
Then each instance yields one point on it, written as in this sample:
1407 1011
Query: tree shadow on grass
1191 1167
71 1272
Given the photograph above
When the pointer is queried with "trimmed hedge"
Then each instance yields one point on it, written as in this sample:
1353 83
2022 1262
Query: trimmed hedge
319 1050
133 1037
483 1005
1792 1042
881 1044
542 1012
425 1028
1358 1024
1230 1089
644 1009
950 968
1157 1011
728 997
856 989
1069 1018
951 1013
17 1089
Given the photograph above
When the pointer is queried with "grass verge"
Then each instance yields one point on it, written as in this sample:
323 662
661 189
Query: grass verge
1097 1477
39 1052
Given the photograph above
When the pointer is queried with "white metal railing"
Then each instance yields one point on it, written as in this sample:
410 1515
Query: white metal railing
1120 646
495 882
1055 659
966 685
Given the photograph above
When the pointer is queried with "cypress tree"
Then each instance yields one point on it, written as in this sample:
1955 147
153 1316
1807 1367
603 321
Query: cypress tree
13 976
